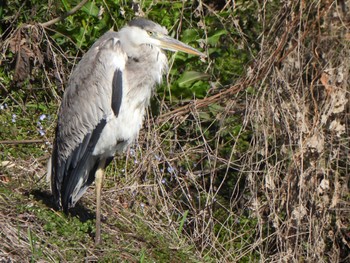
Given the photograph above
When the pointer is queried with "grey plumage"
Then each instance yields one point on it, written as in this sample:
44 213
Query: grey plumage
104 104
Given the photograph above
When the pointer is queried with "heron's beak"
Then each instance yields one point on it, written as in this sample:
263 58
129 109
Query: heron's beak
169 43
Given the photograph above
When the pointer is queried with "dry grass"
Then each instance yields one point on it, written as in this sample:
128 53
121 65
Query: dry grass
289 200
296 167
300 152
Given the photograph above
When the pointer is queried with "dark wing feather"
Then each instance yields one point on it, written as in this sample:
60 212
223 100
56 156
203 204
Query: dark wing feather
82 166
94 91
117 92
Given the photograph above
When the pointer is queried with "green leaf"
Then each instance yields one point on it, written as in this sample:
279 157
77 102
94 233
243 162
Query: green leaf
214 39
189 77
215 108
91 9
199 89
182 222
204 116
65 5
189 35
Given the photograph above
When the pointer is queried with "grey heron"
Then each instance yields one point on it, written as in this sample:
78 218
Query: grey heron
103 107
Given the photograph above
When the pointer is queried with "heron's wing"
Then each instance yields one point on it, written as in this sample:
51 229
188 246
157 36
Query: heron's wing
94 92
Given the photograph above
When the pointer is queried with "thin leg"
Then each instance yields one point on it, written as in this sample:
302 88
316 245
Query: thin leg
98 181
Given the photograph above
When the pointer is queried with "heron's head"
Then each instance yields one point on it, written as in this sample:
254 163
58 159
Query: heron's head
142 31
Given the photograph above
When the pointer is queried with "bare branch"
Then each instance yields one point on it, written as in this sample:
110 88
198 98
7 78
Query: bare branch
71 12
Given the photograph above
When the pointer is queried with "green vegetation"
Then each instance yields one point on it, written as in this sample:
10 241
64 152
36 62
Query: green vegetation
243 157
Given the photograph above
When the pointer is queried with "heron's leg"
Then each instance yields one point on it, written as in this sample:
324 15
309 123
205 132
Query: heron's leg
98 181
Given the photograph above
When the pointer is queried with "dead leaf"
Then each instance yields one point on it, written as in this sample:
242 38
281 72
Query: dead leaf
325 82
337 127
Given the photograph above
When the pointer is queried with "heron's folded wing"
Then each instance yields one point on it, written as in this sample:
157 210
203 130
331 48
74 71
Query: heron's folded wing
94 91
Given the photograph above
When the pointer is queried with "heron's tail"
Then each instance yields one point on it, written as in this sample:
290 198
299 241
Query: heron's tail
71 176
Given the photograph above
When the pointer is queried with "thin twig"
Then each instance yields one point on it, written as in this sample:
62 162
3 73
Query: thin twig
201 103
71 12
13 99
15 142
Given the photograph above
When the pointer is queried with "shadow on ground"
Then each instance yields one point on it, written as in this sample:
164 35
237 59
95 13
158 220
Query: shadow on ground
84 214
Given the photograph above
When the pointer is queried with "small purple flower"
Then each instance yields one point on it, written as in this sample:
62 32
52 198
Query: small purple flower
42 117
170 169
14 116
